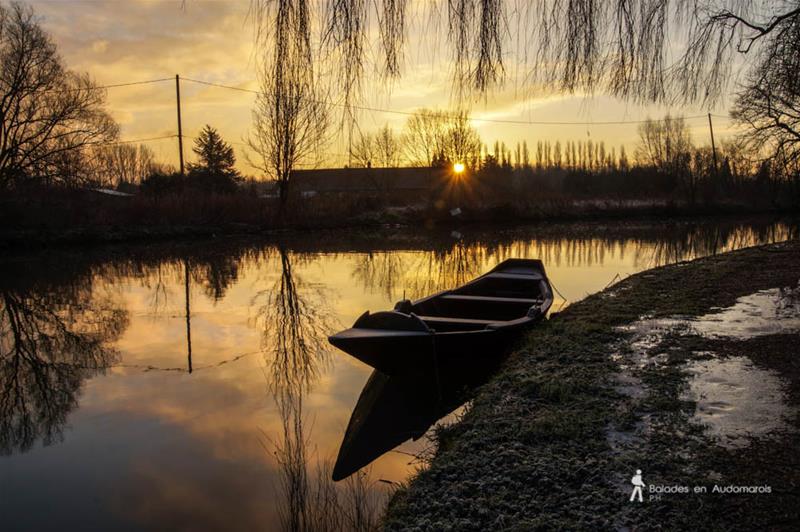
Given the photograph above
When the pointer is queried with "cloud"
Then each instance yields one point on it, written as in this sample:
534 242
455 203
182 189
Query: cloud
133 40
100 46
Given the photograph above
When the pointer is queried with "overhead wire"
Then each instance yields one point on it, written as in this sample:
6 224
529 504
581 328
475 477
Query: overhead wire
477 119
103 87
363 108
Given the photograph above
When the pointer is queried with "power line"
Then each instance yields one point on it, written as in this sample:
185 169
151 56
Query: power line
132 141
477 119
130 83
103 87
359 107
221 86
382 110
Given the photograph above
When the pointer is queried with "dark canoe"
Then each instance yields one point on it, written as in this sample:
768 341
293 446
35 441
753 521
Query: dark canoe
476 320
394 409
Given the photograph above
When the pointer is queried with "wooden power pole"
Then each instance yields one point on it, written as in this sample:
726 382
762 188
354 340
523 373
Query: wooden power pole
180 125
713 146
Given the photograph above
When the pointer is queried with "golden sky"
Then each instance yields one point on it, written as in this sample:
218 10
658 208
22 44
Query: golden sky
119 41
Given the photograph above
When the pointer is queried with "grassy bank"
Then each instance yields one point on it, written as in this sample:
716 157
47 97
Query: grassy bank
553 440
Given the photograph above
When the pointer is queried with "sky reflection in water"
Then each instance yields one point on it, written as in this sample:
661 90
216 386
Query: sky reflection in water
101 418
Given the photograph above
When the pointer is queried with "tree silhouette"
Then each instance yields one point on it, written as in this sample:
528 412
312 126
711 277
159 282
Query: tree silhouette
643 50
119 164
362 150
215 170
290 118
49 116
770 103
424 136
388 147
216 156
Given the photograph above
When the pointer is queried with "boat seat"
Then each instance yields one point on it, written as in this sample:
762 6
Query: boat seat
462 321
517 276
487 299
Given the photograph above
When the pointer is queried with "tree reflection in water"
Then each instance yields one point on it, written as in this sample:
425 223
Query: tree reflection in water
50 342
296 319
457 260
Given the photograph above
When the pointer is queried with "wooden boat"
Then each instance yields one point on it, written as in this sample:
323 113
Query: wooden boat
477 319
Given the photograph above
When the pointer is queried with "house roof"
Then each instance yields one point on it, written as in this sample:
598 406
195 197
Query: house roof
367 179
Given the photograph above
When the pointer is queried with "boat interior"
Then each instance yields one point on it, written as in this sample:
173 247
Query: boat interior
500 296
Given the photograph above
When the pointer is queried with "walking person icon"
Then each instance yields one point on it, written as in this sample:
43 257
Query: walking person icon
638 484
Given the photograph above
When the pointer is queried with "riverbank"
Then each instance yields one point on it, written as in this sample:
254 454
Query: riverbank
87 218
688 372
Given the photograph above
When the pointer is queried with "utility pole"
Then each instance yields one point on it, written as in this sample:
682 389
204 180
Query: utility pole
713 146
180 126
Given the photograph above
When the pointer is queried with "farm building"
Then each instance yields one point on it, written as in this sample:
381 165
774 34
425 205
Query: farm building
401 185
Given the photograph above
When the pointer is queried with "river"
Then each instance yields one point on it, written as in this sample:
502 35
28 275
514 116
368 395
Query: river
189 385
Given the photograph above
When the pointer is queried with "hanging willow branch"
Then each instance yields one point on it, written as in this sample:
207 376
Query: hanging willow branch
392 27
290 118
344 43
641 50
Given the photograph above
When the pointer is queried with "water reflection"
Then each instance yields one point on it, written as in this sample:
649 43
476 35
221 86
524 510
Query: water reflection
458 259
249 437
50 342
187 298
293 317
296 318
391 410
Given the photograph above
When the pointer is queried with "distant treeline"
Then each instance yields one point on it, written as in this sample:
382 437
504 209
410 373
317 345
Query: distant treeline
665 166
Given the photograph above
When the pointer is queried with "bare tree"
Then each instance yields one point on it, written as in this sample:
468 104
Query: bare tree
424 136
667 146
48 115
770 103
462 144
290 119
362 151
116 164
662 142
388 147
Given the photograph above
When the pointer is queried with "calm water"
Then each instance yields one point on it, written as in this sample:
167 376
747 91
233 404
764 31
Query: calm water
189 386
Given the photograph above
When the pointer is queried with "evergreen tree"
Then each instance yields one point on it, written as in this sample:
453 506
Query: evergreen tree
216 157
624 164
214 172
526 158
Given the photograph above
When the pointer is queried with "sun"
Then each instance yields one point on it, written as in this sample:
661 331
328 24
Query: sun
458 168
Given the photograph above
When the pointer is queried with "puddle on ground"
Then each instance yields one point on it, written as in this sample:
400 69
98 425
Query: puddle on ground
632 387
736 400
773 311
646 335
628 385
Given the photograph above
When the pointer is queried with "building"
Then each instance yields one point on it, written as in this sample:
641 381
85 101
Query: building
395 185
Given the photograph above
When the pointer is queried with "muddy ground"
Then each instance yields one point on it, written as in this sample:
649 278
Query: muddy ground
689 373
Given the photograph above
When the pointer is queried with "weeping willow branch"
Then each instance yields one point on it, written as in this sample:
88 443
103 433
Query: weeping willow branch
392 27
641 50
290 119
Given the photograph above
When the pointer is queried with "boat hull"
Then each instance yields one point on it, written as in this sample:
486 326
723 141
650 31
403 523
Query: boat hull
394 352
472 322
